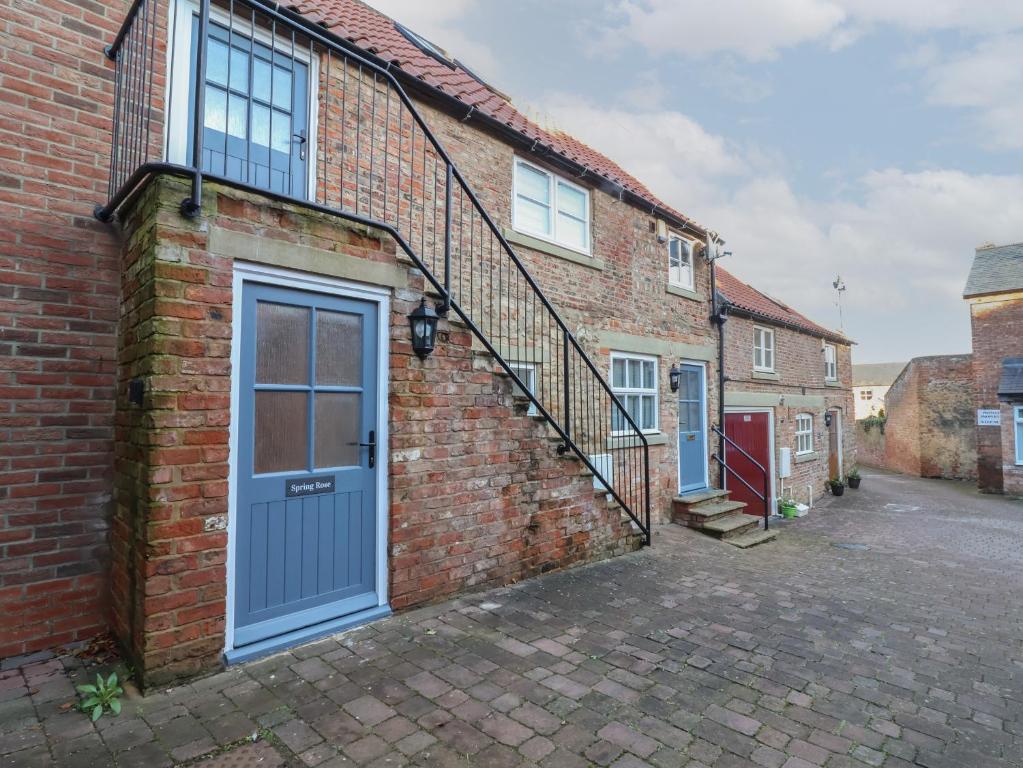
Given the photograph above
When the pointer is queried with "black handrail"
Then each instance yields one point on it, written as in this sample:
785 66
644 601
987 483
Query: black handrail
407 181
765 496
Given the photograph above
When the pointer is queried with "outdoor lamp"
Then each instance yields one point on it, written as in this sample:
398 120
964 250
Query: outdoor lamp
423 321
674 376
827 419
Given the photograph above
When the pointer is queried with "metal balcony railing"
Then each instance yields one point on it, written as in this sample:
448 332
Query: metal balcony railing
371 158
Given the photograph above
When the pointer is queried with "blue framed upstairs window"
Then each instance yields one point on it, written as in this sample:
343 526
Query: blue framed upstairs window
257 121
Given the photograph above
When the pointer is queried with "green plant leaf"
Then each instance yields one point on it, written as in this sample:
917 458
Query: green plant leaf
115 706
99 682
97 712
118 691
112 680
87 689
92 701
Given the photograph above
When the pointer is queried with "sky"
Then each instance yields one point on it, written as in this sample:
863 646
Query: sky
878 140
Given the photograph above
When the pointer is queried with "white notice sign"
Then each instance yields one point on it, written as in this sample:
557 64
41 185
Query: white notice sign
989 417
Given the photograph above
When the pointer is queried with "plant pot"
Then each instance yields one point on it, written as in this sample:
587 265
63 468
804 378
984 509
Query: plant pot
837 489
789 512
854 482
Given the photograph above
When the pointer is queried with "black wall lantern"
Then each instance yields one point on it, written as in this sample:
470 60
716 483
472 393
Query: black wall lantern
827 419
674 376
423 321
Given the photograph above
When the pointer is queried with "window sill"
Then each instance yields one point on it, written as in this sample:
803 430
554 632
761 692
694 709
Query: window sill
765 375
686 293
832 383
803 458
631 441
552 249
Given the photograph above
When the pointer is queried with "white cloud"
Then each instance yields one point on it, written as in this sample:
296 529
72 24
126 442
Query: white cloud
903 241
758 29
663 148
754 30
988 78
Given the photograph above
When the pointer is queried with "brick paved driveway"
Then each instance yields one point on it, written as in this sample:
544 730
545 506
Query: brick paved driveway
691 653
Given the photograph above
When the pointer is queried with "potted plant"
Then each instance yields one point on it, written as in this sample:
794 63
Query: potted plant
837 487
787 508
853 478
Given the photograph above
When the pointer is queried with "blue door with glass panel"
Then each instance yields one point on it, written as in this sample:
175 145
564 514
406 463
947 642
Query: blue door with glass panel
692 430
307 469
256 124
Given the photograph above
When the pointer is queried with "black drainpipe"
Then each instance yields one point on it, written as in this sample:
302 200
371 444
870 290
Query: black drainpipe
718 317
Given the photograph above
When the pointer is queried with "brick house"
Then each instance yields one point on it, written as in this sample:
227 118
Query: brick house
788 397
223 430
994 291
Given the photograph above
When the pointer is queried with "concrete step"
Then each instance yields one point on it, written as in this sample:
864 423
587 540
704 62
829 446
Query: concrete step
696 516
699 499
692 499
752 539
730 525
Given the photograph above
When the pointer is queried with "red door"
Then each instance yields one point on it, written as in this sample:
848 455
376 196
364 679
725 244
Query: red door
751 431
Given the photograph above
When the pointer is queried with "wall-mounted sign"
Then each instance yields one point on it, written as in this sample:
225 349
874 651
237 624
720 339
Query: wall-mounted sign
309 486
989 417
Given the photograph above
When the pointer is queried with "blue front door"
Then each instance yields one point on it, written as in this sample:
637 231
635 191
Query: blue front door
256 121
692 430
307 472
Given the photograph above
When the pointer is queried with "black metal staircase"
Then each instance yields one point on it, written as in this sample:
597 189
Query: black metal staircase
375 161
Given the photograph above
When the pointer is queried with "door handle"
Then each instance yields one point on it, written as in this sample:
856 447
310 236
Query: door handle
372 445
302 139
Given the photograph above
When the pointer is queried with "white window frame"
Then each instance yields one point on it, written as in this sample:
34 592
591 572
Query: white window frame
176 128
553 180
691 246
866 394
804 429
529 379
1017 423
763 349
620 392
830 362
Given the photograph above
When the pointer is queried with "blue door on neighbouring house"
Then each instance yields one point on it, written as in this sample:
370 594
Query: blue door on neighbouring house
307 472
692 430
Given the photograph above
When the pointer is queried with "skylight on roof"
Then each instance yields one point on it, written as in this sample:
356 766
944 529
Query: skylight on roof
425 45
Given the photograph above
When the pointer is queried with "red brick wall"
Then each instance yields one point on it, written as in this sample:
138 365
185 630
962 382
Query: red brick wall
479 496
997 326
628 295
930 429
799 369
58 311
870 440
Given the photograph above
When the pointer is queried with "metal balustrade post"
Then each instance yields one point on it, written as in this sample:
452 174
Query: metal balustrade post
191 206
446 303
566 386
